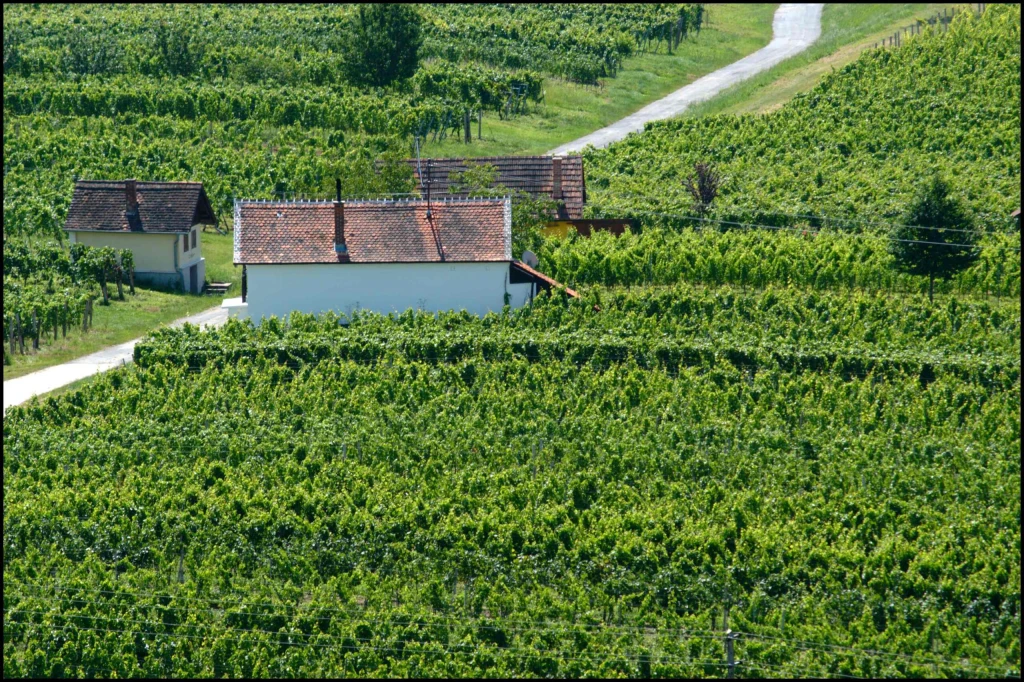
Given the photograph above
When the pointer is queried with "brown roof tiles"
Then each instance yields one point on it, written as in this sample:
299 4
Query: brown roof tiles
375 231
161 207
532 174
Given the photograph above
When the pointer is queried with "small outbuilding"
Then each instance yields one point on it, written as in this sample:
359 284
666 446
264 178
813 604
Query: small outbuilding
384 256
159 221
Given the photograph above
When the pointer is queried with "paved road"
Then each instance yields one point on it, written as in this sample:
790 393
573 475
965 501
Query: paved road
17 391
794 29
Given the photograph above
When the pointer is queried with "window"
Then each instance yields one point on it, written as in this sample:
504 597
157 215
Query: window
184 244
193 239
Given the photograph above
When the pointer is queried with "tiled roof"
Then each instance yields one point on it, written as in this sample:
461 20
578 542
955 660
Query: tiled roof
544 278
162 207
531 174
375 231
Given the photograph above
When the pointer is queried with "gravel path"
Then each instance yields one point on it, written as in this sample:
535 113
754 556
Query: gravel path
17 391
794 29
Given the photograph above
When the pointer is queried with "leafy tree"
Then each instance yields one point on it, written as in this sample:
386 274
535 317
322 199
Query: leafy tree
936 237
12 49
92 53
180 49
382 44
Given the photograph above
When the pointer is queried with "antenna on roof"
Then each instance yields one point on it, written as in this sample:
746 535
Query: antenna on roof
430 165
419 170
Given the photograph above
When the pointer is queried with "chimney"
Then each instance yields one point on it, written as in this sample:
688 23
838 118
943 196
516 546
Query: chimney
337 190
556 178
339 232
131 199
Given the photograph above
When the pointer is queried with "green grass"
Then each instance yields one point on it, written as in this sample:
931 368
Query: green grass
571 111
218 250
117 323
846 31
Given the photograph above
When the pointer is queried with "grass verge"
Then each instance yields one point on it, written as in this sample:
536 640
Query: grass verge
846 31
117 323
218 250
570 111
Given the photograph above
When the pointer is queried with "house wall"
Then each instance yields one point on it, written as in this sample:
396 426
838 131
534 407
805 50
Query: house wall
152 252
192 254
380 287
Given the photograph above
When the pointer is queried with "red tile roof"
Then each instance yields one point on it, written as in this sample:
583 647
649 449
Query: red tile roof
162 207
375 231
531 174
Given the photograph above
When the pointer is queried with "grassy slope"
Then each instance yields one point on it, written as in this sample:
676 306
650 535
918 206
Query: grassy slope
124 321
570 111
119 322
846 31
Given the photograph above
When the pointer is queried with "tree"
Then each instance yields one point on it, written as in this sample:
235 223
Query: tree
703 186
179 48
936 236
382 44
89 52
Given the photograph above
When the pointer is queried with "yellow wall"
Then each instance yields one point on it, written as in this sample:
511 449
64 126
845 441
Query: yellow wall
557 229
152 252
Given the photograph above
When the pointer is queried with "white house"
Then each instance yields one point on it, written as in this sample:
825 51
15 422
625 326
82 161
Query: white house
385 256
159 221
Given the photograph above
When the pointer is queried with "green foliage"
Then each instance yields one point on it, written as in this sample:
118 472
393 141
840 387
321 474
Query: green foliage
494 511
821 260
179 48
855 148
936 236
382 44
91 53
578 42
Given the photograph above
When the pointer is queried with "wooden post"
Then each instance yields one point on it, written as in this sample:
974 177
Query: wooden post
64 320
20 332
131 280
35 331
465 123
480 124
12 330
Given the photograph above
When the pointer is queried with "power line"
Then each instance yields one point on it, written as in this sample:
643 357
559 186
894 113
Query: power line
446 623
359 616
821 217
816 646
543 624
435 647
803 230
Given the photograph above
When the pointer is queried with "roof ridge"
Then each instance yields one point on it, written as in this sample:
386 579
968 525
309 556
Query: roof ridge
139 183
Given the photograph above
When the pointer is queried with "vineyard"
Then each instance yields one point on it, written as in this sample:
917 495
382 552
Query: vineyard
48 289
753 447
852 149
834 259
110 91
558 491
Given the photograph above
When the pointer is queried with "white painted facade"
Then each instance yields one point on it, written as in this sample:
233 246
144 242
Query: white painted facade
279 289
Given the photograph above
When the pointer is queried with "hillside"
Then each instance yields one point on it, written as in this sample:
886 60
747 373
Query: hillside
750 433
853 148
559 492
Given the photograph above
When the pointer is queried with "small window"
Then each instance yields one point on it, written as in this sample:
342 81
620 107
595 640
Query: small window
184 244
193 239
